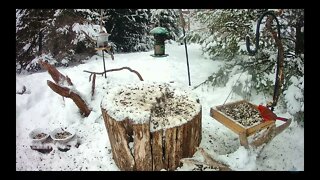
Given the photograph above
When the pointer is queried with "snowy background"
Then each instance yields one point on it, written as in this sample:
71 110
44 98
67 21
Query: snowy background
40 107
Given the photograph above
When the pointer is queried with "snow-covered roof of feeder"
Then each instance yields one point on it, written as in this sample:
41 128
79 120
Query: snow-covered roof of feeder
159 31
164 105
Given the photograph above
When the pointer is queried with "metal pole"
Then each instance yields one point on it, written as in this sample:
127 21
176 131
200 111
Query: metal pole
185 46
183 23
104 65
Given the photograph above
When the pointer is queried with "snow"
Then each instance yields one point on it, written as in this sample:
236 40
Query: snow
91 30
26 47
145 102
43 108
240 160
293 95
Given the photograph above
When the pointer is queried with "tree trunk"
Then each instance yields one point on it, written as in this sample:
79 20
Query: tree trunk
151 151
299 45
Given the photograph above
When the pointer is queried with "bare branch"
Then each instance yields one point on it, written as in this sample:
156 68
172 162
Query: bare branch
118 69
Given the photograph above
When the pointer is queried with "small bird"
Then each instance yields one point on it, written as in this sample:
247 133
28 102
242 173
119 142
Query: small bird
268 115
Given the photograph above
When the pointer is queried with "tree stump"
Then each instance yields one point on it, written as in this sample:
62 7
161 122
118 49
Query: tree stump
151 126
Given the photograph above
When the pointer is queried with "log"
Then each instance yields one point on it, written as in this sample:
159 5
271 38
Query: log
143 146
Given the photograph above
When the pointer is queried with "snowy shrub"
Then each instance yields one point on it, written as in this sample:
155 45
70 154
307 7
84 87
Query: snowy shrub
224 35
34 65
294 97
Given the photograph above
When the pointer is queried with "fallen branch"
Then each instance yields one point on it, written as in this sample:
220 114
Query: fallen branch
66 92
55 74
195 87
60 79
208 161
118 69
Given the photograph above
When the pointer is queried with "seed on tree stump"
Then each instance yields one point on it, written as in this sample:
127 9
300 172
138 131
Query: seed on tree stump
151 126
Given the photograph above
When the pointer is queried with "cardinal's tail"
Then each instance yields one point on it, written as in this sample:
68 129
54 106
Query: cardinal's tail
282 119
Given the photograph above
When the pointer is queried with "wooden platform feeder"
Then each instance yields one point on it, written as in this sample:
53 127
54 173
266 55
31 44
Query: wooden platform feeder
151 126
243 131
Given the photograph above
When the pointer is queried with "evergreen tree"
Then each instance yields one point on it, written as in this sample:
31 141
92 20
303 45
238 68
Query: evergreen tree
54 31
167 18
129 29
29 23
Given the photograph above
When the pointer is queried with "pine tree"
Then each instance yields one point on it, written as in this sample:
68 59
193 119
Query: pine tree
53 31
129 29
167 18
29 23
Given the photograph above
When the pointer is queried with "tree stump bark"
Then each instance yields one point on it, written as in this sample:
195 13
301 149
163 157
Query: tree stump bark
139 146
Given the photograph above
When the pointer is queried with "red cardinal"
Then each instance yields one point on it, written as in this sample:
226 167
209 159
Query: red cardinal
268 115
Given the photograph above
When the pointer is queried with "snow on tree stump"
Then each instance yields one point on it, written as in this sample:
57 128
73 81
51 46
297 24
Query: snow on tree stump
151 126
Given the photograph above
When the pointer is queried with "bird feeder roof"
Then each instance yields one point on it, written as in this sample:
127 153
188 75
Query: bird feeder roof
104 34
159 30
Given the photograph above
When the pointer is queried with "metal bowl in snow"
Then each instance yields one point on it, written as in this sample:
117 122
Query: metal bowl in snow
62 135
38 135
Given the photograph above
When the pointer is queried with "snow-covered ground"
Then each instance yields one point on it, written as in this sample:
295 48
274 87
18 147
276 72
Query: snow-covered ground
40 107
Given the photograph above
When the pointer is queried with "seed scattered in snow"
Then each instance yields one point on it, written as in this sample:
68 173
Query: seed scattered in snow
163 105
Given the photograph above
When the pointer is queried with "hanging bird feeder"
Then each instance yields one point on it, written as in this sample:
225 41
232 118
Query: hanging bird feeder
247 119
102 40
102 44
160 35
